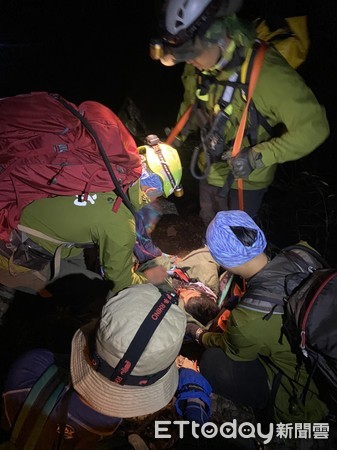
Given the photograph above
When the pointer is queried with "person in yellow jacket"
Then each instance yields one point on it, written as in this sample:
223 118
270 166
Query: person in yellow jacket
285 120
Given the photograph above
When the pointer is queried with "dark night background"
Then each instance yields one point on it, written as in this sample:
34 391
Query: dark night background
98 50
88 50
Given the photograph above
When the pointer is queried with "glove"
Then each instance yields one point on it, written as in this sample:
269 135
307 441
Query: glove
156 274
195 332
245 162
192 388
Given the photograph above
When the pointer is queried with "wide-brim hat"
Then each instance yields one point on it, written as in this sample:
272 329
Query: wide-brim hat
120 320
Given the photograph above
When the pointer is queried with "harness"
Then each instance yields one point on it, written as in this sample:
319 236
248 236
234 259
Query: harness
213 130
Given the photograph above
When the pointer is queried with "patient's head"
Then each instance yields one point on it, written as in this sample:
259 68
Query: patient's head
199 305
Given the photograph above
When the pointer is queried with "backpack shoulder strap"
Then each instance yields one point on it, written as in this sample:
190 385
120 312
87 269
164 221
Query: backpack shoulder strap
60 245
289 251
302 268
37 407
246 68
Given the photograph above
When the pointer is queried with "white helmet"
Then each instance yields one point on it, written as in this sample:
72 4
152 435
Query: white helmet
184 18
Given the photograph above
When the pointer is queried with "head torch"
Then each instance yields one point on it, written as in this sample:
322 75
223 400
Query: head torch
157 49
172 54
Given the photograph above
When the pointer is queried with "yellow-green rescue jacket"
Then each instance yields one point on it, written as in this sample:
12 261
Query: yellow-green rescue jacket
66 219
282 97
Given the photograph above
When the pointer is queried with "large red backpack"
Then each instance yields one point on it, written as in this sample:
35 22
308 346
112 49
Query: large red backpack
46 150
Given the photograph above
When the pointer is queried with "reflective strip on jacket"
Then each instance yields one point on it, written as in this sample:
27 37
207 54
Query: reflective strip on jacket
282 97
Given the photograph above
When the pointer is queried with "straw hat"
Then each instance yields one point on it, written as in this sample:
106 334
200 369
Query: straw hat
121 318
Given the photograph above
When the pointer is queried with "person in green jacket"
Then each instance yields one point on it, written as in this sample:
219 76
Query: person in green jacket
285 120
242 362
70 219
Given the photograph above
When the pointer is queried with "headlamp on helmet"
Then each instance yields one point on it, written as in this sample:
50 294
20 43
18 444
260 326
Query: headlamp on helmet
170 55
163 160
183 24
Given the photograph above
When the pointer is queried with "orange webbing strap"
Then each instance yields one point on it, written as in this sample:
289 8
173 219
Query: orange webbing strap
222 320
258 60
237 291
179 125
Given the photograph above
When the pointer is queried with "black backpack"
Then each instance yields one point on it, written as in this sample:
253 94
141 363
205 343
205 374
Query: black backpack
39 404
309 320
310 326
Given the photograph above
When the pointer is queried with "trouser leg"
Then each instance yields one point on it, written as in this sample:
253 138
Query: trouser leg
251 201
243 382
211 202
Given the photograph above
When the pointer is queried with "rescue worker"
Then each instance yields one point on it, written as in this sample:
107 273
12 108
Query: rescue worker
244 362
285 120
69 219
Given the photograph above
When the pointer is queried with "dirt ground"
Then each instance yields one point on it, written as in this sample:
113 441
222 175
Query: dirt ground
179 235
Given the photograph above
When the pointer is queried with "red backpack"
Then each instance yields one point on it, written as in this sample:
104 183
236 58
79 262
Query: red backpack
47 150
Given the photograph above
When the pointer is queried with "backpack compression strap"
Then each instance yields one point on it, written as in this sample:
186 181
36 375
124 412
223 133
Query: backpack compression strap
37 408
118 189
56 266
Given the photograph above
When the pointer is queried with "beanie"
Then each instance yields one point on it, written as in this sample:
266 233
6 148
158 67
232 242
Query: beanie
233 238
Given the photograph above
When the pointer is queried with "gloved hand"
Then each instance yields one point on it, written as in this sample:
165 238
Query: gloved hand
195 332
193 401
156 274
245 162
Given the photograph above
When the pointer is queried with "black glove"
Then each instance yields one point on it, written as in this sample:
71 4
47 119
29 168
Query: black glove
195 332
245 162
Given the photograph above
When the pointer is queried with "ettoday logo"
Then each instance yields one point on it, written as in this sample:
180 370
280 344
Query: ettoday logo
228 430
245 430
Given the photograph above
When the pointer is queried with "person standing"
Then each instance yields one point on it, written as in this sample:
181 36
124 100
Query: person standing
285 120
